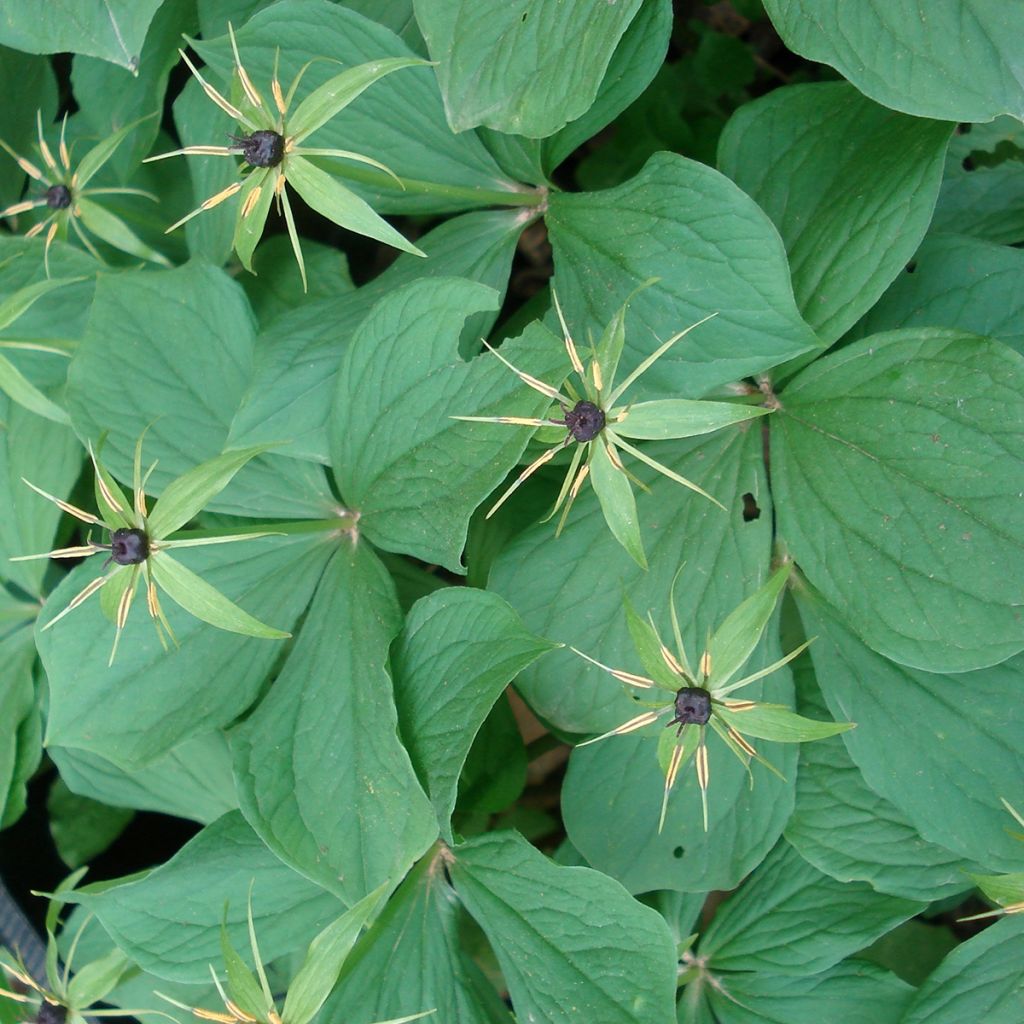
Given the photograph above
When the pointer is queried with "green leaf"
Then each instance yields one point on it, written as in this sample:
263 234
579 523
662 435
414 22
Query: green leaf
980 979
613 490
399 122
501 65
168 922
780 725
82 828
14 305
648 647
33 77
184 497
192 781
242 982
296 376
329 99
94 160
897 483
17 708
796 152
940 70
845 829
789 918
325 958
673 418
312 746
941 749
249 229
205 602
20 390
585 950
955 281
151 700
328 196
735 639
458 651
1002 889
716 252
111 229
416 944
95 980
112 30
413 472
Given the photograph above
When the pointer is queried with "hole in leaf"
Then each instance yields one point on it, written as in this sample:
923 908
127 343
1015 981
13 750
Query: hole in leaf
751 510
678 853
968 163
964 128
911 266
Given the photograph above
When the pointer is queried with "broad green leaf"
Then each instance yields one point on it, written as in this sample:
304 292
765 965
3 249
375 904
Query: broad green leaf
414 473
416 944
982 979
955 281
852 992
23 299
845 829
928 66
618 505
48 454
33 79
796 152
501 64
168 922
399 122
205 602
458 651
494 773
716 252
17 706
112 30
16 387
187 495
941 749
326 955
193 780
82 828
913 950
150 700
896 472
674 418
338 92
571 943
297 358
735 639
789 918
328 196
780 725
321 774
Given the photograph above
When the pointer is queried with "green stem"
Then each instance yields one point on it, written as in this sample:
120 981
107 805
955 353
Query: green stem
385 183
290 526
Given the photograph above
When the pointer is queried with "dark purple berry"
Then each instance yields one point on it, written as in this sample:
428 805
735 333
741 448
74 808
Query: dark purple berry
585 421
129 547
58 197
263 148
50 1014
693 707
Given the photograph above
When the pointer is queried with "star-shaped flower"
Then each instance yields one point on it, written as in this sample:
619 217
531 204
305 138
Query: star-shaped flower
701 699
271 144
140 541
67 197
598 426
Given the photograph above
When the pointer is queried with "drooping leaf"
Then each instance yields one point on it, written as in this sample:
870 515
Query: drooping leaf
459 649
321 774
896 476
796 152
583 949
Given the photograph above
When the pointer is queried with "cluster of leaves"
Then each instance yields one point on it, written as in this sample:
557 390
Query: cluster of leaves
796 292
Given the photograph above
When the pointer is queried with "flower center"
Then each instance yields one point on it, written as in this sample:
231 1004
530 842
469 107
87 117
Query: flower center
263 148
129 547
58 197
693 706
585 421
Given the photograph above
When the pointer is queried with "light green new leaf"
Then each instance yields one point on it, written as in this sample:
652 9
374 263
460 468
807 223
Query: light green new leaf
927 66
205 602
193 491
320 771
249 229
1005 890
896 469
21 390
571 943
503 64
648 649
112 30
613 490
242 982
674 418
789 918
797 151
168 922
329 99
94 981
327 952
458 651
780 725
94 160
